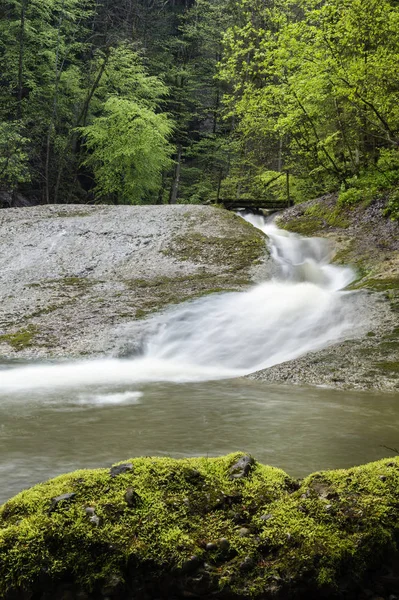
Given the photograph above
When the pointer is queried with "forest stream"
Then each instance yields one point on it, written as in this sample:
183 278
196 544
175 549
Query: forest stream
184 396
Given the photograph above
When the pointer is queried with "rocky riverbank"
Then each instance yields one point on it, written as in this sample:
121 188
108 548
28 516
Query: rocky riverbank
226 528
366 239
73 276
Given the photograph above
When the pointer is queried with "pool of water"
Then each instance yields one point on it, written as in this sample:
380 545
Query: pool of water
46 433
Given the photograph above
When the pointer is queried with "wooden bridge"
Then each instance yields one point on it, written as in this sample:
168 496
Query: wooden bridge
255 204
261 204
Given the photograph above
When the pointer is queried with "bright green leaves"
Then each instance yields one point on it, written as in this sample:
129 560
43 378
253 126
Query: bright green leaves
315 84
126 142
13 155
128 149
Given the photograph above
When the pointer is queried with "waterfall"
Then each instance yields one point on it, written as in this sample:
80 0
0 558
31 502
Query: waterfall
302 309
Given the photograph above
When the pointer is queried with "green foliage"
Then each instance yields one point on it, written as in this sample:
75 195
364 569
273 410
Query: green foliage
20 339
376 181
350 197
392 207
14 167
252 88
316 88
268 533
128 149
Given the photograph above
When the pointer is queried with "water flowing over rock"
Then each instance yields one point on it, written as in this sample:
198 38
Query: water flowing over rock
228 335
72 277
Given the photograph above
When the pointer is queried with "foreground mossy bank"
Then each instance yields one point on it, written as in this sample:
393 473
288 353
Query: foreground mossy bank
225 527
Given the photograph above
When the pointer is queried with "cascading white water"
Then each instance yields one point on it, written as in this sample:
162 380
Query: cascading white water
226 335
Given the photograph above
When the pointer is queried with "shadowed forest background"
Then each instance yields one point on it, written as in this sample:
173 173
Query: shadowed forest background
165 101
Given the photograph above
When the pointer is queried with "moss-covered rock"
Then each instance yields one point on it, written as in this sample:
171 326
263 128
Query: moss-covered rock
223 528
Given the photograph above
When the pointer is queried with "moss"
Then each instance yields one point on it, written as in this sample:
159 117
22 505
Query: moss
155 294
67 215
237 247
45 311
256 535
309 225
76 281
315 218
392 367
378 285
21 339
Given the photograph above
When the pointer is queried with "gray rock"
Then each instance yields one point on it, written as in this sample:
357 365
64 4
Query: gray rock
119 469
266 517
242 467
244 532
85 276
95 520
132 499
211 546
247 563
224 544
60 500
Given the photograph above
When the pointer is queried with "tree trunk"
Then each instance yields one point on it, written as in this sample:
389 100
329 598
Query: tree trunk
21 58
176 181
55 101
280 156
288 189
220 179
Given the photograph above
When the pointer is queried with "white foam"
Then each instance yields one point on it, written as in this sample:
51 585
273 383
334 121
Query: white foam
110 399
224 335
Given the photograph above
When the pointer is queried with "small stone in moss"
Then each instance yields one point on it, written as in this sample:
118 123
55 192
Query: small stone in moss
119 469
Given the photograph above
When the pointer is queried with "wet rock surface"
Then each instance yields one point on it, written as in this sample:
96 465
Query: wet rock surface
79 280
242 467
369 241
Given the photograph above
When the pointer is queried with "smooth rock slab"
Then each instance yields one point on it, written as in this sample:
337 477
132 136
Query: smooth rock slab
72 277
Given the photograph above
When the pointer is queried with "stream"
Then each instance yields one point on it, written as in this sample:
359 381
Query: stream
183 395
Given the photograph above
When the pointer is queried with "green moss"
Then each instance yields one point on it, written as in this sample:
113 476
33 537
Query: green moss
152 295
45 311
68 215
308 225
378 285
237 247
315 218
76 281
392 367
21 339
267 532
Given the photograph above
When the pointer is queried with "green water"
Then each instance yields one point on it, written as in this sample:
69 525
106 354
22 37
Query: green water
298 429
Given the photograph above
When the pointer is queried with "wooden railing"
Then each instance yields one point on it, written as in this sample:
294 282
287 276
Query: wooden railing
261 203
254 203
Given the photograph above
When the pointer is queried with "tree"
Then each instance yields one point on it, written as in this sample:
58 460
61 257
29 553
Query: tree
128 150
314 87
14 168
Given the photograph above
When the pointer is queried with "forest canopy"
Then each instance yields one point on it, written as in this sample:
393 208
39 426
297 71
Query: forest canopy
198 101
